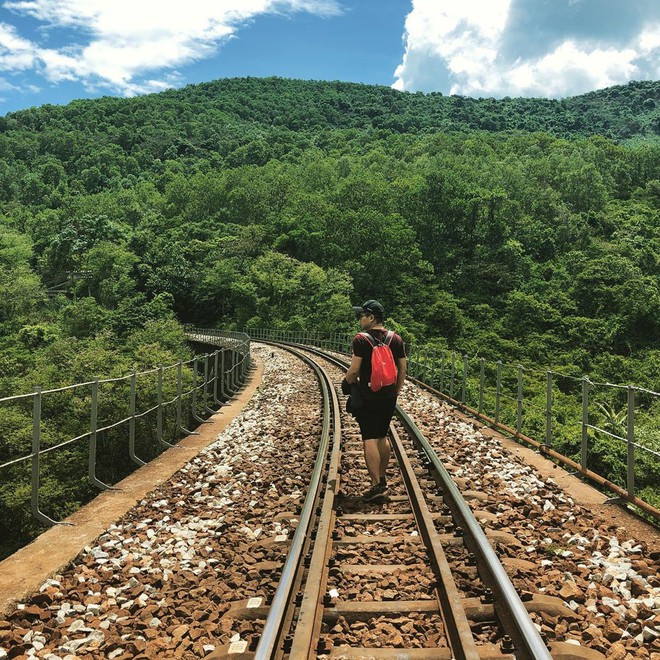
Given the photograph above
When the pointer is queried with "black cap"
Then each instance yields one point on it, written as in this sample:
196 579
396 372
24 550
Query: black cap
370 307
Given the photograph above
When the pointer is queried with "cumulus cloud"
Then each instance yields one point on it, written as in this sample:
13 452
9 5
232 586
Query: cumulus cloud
119 42
15 53
528 47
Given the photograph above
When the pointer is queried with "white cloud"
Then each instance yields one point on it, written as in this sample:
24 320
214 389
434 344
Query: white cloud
460 47
15 53
122 40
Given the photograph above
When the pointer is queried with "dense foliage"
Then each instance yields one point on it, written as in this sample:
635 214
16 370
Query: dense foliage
516 229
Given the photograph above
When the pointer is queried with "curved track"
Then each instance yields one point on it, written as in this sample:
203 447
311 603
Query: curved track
414 543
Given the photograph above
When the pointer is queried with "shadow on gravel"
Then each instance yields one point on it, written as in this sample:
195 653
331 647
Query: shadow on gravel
356 504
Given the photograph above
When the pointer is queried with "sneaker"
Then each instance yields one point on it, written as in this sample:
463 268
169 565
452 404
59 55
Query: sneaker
382 484
373 493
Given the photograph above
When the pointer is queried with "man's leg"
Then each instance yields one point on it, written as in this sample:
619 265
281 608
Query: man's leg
384 456
372 458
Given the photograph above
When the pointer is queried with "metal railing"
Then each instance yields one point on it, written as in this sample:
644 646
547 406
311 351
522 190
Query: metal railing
205 380
531 403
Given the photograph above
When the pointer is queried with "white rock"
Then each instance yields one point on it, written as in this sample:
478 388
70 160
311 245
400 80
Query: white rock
73 645
76 626
573 641
49 583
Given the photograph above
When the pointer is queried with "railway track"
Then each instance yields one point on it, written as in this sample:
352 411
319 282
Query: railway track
413 576
205 564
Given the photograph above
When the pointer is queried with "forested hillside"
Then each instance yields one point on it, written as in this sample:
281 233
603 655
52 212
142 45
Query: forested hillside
517 229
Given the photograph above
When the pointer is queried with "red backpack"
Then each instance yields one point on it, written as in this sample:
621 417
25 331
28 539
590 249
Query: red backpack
383 369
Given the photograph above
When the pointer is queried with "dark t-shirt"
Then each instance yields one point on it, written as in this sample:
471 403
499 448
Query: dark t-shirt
362 348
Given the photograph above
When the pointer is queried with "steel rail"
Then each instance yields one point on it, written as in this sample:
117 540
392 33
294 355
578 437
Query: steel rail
459 633
271 637
310 617
510 608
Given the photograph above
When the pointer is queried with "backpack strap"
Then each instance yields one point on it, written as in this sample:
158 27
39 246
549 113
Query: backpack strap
375 342
372 341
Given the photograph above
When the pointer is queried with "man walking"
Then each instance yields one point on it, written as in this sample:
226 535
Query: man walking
375 413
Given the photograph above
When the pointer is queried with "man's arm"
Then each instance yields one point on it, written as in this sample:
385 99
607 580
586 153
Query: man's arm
402 368
354 370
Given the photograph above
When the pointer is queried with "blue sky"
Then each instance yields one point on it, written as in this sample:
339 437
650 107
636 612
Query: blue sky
53 51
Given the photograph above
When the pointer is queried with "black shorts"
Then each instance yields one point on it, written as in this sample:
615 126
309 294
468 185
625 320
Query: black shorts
374 417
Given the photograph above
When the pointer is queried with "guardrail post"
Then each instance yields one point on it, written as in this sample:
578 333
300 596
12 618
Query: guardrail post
245 363
464 384
159 410
223 393
236 371
498 390
519 400
234 363
231 389
241 367
215 380
548 409
482 366
36 455
179 402
585 422
631 442
193 399
131 420
207 382
453 372
442 370
229 360
93 425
